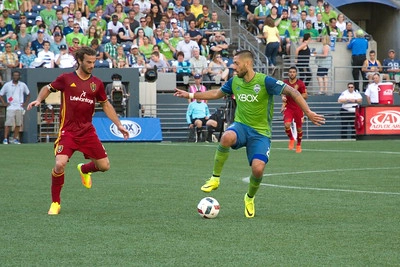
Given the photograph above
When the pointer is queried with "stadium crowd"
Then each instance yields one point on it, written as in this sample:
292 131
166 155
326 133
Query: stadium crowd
181 36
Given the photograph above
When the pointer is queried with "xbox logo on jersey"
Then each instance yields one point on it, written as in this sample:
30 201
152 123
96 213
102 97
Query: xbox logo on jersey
133 128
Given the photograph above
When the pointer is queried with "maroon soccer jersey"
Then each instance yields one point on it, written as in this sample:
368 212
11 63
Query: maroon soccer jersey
299 86
78 98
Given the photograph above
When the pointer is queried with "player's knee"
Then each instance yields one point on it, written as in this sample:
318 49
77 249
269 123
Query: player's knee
104 167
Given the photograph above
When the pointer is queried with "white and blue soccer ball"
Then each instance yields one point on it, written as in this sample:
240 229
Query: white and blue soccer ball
208 208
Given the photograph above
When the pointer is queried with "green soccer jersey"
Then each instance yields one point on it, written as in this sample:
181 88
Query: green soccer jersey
255 100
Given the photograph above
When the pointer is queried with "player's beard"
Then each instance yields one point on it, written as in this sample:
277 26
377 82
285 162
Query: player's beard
241 74
86 70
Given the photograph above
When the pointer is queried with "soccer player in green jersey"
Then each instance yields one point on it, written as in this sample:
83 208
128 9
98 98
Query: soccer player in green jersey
254 93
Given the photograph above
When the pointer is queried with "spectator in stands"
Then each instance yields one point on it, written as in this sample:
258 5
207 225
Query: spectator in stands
75 46
166 48
156 15
110 48
179 8
189 16
90 35
26 6
328 13
249 7
303 19
319 9
391 66
23 20
214 25
198 115
8 19
35 28
323 60
176 37
274 15
140 65
37 45
372 92
311 15
197 87
59 21
110 9
121 60
203 18
358 47
174 26
64 59
144 6
49 13
199 64
58 41
95 44
196 8
69 27
302 6
5 30
134 53
155 60
294 13
332 30
147 30
310 30
27 58
272 3
158 35
194 33
272 37
75 34
181 22
347 30
182 68
72 9
133 23
24 38
340 23
260 14
65 11
186 46
92 6
302 60
46 55
293 35
47 33
319 25
283 5
219 45
169 13
125 34
9 60
371 66
119 12
283 25
205 48
156 48
80 5
217 69
240 9
114 25
349 99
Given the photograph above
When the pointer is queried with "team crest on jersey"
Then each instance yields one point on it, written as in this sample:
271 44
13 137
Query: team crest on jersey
93 86
257 88
60 148
73 85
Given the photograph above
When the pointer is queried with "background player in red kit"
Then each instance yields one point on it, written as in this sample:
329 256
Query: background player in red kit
79 92
292 111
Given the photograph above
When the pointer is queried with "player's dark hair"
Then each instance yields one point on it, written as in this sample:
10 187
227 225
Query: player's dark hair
81 52
293 68
245 54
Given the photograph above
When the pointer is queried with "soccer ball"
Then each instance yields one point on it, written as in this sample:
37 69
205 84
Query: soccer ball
208 208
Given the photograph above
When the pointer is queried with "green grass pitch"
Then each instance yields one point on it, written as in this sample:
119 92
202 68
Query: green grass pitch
335 204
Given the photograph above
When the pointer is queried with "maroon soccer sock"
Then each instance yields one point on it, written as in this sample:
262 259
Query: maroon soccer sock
299 137
89 167
57 182
289 133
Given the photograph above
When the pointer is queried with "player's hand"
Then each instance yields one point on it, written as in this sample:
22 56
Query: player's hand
33 104
181 93
124 132
317 119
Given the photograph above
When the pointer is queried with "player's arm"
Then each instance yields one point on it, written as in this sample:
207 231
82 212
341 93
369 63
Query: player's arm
43 94
112 115
317 119
207 95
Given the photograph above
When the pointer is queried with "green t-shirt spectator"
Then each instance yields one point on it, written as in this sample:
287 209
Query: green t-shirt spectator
48 16
73 35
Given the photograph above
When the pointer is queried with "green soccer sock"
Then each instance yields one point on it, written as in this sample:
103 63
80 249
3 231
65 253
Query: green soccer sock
254 185
221 155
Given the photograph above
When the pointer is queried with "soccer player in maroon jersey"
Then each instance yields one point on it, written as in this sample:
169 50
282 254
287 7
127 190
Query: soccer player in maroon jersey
292 111
79 92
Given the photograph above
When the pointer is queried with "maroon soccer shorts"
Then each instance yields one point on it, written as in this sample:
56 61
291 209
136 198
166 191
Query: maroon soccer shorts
297 116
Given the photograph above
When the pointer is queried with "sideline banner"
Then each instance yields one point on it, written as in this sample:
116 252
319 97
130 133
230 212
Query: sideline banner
140 129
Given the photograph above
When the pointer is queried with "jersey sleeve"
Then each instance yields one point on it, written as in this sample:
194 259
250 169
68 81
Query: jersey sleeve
101 96
274 86
227 87
59 83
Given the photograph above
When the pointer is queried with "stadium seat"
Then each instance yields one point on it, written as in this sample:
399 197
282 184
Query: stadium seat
105 40
2 45
37 8
31 15
55 7
14 16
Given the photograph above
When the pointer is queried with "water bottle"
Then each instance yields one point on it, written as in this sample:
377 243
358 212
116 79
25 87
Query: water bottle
47 138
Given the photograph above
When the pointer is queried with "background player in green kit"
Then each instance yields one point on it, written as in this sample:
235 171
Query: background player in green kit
254 93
